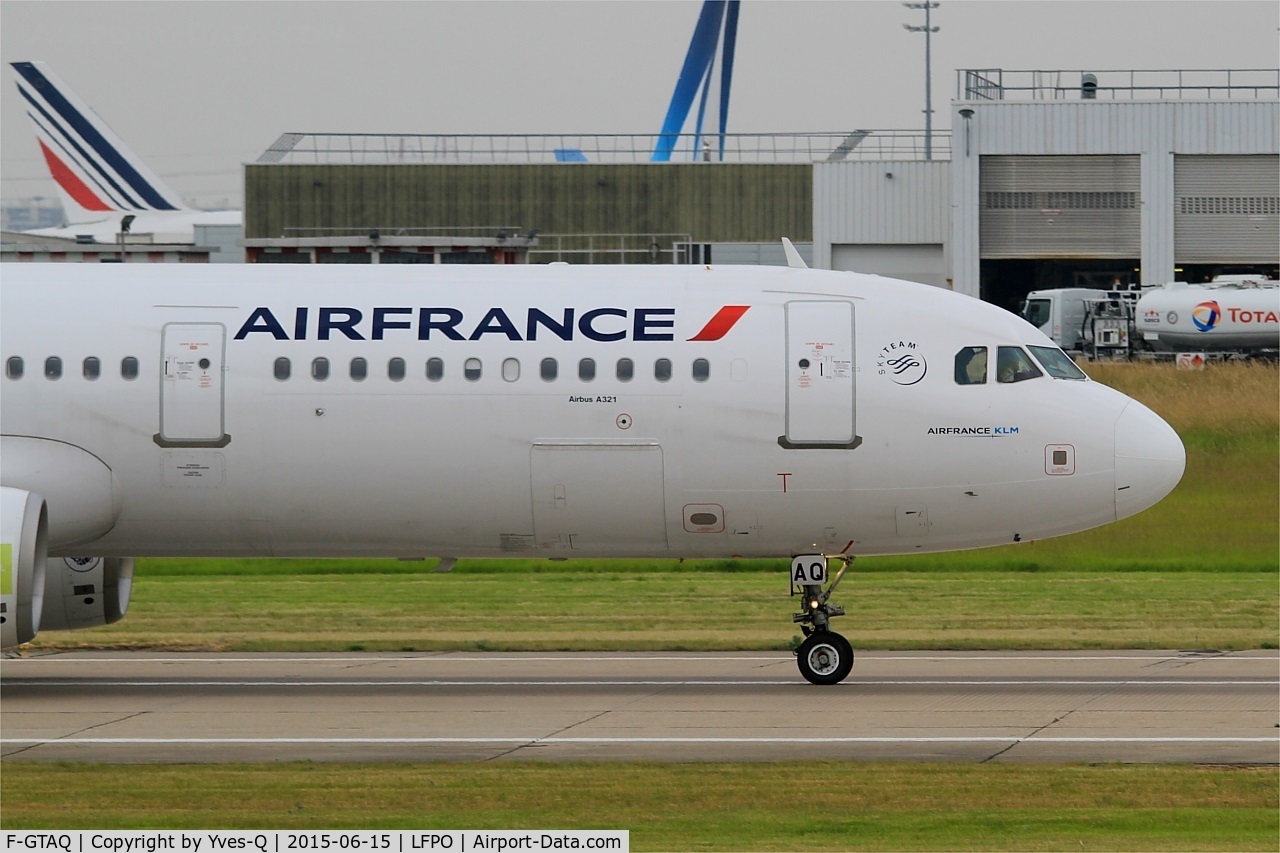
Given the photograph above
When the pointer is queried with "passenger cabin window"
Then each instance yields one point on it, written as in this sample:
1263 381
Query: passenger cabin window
587 369
359 369
395 369
283 369
971 366
320 369
548 370
701 370
510 369
626 370
91 368
129 368
1014 365
435 369
13 367
471 369
1057 363
662 370
53 367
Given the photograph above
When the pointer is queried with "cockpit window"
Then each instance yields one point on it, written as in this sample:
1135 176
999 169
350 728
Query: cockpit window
1057 363
1014 365
1037 312
971 366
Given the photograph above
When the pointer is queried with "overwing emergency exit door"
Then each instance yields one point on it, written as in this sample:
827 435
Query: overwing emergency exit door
820 376
192 409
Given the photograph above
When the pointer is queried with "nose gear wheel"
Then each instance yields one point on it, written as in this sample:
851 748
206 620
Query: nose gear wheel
824 657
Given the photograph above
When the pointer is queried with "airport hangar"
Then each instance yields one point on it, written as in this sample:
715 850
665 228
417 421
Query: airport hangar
1047 179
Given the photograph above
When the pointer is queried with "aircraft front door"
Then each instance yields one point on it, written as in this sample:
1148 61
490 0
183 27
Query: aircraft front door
192 411
820 376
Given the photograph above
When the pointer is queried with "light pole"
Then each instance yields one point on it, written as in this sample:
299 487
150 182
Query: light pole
966 113
125 224
928 72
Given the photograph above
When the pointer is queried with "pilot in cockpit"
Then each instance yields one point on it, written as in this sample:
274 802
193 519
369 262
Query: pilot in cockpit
1014 365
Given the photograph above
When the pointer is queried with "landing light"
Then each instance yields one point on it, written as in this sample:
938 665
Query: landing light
813 604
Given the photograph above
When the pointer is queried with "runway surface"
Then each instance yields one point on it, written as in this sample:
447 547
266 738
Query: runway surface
1127 706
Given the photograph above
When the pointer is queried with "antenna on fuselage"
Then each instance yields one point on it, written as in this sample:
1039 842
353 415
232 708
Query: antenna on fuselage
793 257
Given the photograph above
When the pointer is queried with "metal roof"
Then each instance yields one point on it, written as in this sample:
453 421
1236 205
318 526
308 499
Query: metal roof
377 148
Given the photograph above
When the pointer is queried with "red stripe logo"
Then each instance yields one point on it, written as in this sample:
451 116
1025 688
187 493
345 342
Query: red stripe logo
67 179
719 325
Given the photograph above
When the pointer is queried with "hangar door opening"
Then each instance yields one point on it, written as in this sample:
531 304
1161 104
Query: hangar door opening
1057 221
1007 282
922 262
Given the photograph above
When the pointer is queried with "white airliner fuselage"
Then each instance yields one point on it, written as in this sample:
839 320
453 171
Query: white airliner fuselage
168 227
550 411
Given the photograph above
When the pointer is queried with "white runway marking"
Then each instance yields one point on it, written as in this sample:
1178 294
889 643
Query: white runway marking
355 682
1123 705
448 657
138 741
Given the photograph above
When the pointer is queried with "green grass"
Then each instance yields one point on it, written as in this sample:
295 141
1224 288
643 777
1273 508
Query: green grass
789 806
654 610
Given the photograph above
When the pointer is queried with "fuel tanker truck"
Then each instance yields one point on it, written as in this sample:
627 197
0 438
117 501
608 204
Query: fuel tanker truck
1230 314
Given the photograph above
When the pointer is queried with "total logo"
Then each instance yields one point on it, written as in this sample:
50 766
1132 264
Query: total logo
1206 315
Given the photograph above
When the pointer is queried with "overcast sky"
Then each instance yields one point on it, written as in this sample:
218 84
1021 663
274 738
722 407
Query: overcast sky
197 88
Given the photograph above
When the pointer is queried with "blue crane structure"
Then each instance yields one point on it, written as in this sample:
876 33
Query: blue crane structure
717 17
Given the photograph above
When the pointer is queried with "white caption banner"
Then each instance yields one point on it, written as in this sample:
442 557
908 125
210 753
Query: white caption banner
295 841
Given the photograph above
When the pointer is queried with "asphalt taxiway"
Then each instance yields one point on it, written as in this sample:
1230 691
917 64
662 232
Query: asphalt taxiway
1124 706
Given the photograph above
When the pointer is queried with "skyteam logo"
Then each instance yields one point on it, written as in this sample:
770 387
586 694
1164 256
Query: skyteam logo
82 564
902 362
1206 315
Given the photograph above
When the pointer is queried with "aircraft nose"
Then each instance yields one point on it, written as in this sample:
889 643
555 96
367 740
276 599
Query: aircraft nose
1150 459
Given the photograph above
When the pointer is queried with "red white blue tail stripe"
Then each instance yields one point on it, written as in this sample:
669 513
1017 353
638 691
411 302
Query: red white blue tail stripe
95 171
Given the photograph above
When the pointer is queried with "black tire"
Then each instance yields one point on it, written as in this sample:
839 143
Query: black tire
825 658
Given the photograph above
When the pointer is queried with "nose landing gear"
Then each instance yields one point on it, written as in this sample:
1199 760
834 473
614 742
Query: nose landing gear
824 657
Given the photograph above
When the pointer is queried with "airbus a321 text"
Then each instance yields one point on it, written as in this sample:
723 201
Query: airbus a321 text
536 411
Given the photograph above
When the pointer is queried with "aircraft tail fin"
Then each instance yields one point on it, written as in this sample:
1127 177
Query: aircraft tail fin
96 173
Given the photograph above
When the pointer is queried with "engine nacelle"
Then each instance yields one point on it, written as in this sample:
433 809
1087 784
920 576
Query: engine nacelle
85 592
24 549
81 495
